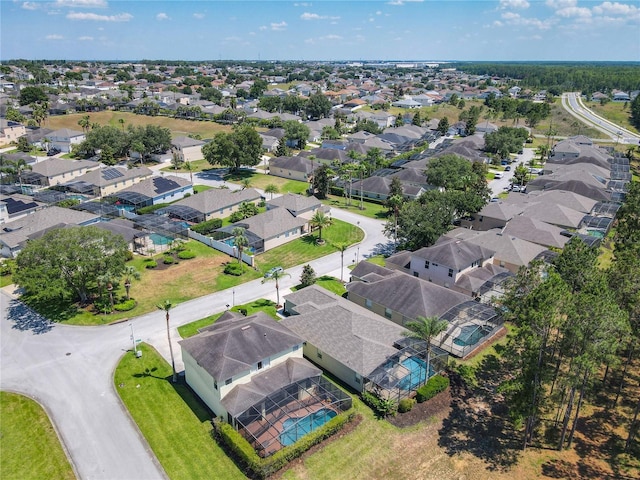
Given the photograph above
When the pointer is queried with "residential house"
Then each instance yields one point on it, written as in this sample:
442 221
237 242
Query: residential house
294 168
154 190
10 131
137 240
398 296
15 234
65 138
250 372
107 180
54 171
536 231
188 149
212 203
15 206
298 205
378 188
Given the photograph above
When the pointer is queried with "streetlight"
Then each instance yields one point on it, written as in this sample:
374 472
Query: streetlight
233 292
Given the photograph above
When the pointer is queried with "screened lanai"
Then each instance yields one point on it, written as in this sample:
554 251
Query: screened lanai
471 323
407 370
182 212
283 417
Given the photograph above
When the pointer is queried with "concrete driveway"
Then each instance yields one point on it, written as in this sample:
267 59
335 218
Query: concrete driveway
69 370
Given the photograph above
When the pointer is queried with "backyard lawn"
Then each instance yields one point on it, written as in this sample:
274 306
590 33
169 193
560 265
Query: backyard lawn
260 180
172 419
29 445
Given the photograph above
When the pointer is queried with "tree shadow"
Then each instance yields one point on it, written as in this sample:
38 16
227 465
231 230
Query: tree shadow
478 422
197 406
24 318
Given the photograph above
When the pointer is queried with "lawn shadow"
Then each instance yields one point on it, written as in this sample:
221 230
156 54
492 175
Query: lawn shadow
24 318
478 422
198 408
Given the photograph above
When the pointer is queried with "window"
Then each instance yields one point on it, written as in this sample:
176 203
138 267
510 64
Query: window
295 348
415 274
450 272
259 365
215 384
358 378
368 303
227 381
319 354
426 264
387 312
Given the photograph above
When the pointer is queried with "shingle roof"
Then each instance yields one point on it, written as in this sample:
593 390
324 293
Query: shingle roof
155 186
408 295
270 223
536 231
52 167
454 253
352 335
233 346
214 199
184 142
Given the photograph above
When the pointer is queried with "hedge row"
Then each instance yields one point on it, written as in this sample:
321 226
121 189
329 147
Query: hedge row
434 386
262 468
204 228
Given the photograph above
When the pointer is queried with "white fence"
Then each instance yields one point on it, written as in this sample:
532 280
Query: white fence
222 247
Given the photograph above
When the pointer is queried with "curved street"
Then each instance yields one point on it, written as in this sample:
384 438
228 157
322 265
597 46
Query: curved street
572 102
69 370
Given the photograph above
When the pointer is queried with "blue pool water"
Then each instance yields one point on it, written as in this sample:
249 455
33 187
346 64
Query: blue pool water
417 373
158 239
295 428
470 335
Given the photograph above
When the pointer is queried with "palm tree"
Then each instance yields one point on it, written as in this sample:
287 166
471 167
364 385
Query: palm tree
342 247
271 189
246 183
121 122
188 166
84 122
320 220
425 328
129 273
166 306
277 275
240 240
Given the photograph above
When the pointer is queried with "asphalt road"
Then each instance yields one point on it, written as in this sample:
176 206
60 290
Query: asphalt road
69 370
572 102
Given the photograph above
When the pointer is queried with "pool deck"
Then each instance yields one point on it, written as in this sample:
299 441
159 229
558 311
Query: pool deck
270 438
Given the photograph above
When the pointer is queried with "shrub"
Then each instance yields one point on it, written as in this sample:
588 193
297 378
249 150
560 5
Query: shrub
125 306
435 385
467 374
265 467
380 406
186 254
205 228
233 269
128 256
151 208
405 405
168 260
150 264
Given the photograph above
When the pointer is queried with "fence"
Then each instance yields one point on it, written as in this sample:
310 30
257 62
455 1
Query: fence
221 247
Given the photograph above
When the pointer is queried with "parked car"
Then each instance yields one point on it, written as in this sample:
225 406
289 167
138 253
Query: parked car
53 151
273 271
497 175
507 168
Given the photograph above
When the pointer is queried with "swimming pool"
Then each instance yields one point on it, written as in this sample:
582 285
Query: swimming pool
158 239
417 373
471 334
295 428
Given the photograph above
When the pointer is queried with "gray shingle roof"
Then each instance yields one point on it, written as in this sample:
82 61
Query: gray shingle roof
52 167
295 203
536 231
454 253
233 346
155 186
408 295
270 224
214 199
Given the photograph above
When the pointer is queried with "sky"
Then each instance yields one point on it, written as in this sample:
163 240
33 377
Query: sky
329 30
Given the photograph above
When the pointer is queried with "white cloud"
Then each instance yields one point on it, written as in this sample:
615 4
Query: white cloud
522 4
615 8
81 3
30 6
162 16
199 16
378 12
85 39
315 16
120 17
54 36
263 28
574 12
303 4
515 19
398 3
559 4
279 26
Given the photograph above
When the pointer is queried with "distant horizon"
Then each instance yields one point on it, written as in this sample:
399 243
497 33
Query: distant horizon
368 61
189 30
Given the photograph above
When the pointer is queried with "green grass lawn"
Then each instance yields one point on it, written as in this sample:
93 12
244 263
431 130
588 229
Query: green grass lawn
172 419
260 180
371 209
196 165
29 445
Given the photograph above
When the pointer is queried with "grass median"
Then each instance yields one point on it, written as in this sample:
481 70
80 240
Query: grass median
29 444
172 419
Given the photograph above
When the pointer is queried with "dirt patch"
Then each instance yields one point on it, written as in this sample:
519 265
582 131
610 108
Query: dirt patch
438 407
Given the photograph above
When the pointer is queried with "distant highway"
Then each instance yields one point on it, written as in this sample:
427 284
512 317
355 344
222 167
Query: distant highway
572 102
